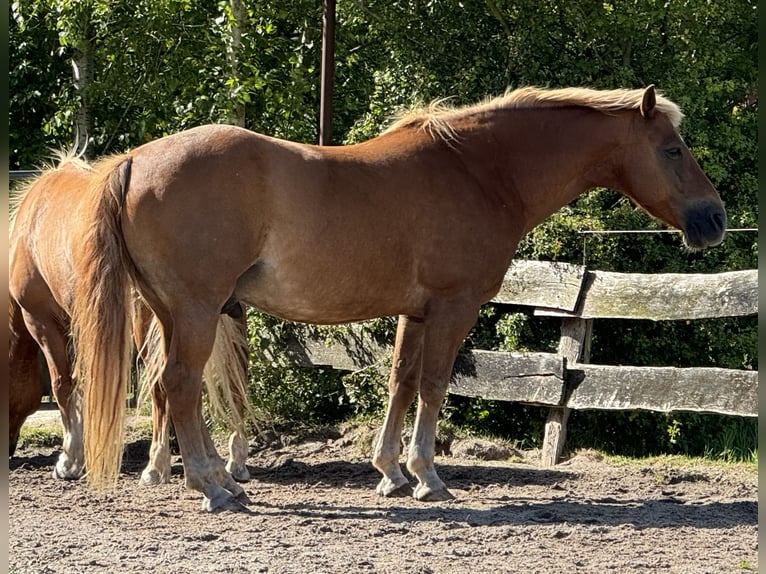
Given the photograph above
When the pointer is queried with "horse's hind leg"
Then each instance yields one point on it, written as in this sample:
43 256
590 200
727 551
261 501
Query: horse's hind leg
238 447
238 451
148 344
52 337
189 344
446 327
402 386
157 470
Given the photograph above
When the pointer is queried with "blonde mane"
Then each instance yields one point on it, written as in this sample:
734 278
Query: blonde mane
57 161
437 119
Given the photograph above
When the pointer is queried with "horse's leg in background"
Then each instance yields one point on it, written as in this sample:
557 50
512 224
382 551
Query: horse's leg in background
189 338
53 338
25 387
403 384
157 470
238 446
447 325
238 451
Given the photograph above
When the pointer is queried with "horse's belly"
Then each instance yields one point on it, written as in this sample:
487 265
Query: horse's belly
330 296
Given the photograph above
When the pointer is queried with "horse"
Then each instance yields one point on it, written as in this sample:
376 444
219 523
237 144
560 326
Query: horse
43 239
420 222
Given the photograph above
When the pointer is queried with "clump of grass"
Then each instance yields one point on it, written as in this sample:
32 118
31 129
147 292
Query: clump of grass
41 437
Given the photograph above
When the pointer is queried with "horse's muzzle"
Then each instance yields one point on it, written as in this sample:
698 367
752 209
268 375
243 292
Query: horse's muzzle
705 225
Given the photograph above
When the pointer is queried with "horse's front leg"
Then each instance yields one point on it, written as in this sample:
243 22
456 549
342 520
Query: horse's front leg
446 328
25 387
402 387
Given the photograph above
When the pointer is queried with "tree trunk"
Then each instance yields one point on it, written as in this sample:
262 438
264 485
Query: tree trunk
237 26
82 72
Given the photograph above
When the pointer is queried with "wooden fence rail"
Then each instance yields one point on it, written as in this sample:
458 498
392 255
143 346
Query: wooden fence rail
565 380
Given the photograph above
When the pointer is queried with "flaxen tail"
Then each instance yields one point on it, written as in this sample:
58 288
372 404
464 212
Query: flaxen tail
226 375
101 326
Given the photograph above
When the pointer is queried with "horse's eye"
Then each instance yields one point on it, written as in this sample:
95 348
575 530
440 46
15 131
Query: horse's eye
673 153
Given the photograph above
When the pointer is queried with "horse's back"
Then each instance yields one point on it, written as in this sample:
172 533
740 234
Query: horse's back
307 233
43 240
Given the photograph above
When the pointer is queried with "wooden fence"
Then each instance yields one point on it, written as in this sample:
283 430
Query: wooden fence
566 380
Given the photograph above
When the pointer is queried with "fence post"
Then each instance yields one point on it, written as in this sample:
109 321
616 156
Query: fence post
574 345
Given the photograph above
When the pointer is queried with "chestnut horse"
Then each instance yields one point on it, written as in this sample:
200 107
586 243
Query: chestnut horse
420 222
44 236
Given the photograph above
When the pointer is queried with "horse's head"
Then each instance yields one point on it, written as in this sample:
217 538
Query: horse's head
660 174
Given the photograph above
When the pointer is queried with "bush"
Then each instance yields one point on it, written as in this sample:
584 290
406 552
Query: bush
642 433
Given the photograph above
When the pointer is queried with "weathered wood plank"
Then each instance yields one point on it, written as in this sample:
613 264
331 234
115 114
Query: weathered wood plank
542 284
663 389
536 378
667 296
350 353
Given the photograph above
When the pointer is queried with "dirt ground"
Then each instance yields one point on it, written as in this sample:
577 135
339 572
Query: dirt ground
314 510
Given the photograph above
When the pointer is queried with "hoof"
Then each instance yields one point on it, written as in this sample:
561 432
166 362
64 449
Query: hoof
388 488
243 498
425 494
64 472
226 504
240 474
151 478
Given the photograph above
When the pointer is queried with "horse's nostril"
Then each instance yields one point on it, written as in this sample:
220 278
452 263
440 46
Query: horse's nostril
719 219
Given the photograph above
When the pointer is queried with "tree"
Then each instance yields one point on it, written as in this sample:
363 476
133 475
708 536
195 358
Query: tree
150 68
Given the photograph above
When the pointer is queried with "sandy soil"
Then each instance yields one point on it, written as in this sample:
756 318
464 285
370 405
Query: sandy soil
314 510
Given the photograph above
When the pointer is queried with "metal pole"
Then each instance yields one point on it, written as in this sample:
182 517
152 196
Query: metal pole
328 72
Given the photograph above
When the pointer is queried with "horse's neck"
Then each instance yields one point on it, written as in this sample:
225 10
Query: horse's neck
545 163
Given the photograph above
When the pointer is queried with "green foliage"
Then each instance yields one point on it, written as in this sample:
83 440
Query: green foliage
512 329
37 71
366 392
161 66
280 391
642 433
727 343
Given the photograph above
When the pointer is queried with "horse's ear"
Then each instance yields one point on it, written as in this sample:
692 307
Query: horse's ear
648 102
